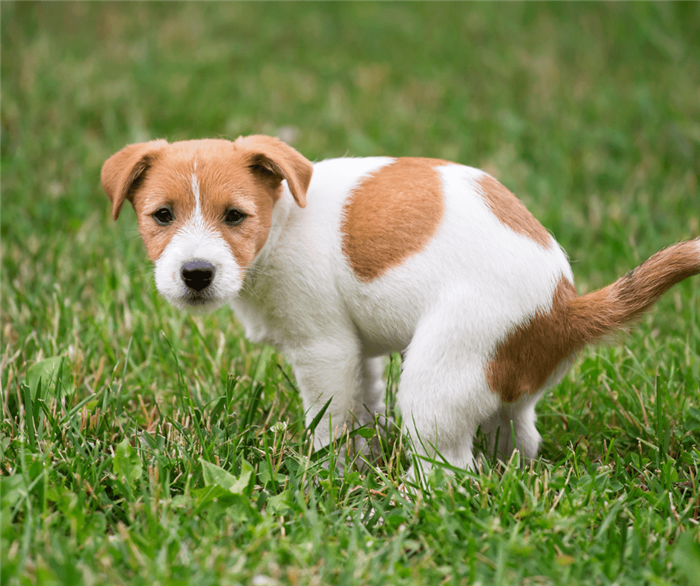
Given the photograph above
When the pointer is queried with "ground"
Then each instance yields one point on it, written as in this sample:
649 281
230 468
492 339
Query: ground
143 446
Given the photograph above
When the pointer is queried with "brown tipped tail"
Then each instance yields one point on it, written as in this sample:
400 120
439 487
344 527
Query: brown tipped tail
600 313
531 358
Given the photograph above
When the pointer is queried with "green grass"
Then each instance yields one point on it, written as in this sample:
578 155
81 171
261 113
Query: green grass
155 451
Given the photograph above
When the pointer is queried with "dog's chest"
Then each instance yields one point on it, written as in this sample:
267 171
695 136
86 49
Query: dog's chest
253 318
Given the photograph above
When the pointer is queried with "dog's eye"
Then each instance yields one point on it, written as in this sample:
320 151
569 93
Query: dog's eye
164 216
234 217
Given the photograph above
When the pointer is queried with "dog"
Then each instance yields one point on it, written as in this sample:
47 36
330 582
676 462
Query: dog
339 263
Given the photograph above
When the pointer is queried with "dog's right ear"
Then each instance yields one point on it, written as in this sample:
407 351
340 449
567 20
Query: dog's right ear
123 171
274 160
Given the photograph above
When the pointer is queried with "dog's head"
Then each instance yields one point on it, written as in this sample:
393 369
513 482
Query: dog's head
204 208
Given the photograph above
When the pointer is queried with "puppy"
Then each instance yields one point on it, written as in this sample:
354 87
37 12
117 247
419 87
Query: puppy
341 262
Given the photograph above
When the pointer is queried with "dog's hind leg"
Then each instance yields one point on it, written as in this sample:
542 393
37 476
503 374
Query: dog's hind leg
371 400
513 427
443 395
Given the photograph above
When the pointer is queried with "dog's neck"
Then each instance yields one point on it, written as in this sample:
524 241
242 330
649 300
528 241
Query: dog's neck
252 304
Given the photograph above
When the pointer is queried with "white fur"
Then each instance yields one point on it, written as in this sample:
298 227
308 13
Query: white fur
446 308
194 185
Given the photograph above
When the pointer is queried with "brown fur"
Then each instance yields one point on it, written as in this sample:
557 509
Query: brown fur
122 171
523 362
599 313
511 212
391 215
246 174
280 161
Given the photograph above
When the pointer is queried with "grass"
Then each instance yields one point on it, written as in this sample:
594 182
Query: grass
143 446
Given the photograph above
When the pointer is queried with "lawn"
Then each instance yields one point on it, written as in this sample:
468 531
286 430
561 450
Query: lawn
139 445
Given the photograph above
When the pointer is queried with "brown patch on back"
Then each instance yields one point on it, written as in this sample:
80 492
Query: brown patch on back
392 214
525 360
511 212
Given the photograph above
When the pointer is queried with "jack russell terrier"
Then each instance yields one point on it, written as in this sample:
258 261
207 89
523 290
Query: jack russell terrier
341 262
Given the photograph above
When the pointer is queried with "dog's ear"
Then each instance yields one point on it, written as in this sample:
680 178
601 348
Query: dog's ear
272 161
123 171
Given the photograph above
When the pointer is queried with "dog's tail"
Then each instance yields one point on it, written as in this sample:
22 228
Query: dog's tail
532 354
596 315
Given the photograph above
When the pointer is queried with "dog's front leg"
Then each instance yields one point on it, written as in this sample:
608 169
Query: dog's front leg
329 370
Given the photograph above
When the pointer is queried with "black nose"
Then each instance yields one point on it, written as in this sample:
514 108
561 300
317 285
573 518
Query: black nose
197 274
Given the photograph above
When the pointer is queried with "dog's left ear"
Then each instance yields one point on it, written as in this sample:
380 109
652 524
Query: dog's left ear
272 160
122 172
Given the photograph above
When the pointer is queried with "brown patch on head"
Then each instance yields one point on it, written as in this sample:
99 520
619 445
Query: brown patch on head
245 175
224 187
392 214
525 360
511 212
